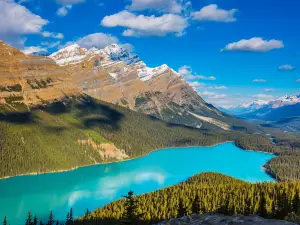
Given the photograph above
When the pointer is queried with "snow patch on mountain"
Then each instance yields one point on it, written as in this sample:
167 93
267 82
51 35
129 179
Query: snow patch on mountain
260 104
109 56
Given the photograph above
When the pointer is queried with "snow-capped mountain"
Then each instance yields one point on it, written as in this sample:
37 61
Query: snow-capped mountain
115 75
286 106
266 105
109 56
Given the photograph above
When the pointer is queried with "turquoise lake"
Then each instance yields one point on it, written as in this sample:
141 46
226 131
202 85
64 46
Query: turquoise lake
95 186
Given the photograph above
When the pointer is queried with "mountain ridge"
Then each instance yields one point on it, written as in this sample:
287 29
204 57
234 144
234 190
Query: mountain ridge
115 75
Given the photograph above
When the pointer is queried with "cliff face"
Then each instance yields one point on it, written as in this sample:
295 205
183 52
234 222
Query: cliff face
218 219
28 80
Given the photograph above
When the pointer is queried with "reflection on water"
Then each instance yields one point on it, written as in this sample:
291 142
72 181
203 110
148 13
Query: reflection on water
92 187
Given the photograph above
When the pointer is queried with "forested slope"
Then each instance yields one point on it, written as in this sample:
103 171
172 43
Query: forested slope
211 192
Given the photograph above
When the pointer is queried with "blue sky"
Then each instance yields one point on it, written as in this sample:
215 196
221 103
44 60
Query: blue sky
232 51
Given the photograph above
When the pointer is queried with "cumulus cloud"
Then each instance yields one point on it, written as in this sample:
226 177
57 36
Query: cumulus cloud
186 72
34 49
286 67
264 96
197 84
213 13
64 10
170 6
256 44
98 40
16 20
52 35
141 25
66 6
213 95
259 81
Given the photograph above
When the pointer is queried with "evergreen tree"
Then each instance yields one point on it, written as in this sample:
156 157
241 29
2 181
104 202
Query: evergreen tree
196 205
35 220
131 214
181 209
51 219
4 221
29 219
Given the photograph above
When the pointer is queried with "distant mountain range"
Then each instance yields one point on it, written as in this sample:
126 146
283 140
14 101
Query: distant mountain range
281 108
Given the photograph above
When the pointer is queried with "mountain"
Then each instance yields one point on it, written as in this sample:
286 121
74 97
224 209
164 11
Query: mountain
260 104
115 75
267 110
281 111
28 80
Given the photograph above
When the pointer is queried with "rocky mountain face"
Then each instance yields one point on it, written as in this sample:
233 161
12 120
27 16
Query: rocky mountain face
28 80
115 75
219 219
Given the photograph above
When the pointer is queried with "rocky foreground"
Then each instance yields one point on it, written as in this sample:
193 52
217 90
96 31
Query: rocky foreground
219 219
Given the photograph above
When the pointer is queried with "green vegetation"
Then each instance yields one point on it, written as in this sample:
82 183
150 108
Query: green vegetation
46 139
210 192
43 139
202 193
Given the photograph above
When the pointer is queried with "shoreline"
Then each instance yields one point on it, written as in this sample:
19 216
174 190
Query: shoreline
124 160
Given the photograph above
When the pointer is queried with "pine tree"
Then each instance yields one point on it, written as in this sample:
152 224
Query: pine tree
131 214
29 219
35 220
196 205
71 216
51 219
181 209
4 221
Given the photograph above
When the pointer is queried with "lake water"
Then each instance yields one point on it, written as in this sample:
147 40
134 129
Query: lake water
95 186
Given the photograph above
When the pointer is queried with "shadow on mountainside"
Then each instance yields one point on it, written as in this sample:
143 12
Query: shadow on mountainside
88 113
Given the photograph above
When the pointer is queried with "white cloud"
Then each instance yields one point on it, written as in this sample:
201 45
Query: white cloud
186 72
213 95
298 80
50 44
216 87
264 96
197 84
52 35
99 40
269 89
69 2
213 13
33 49
170 6
66 6
16 20
64 10
256 44
141 25
286 67
128 47
259 81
